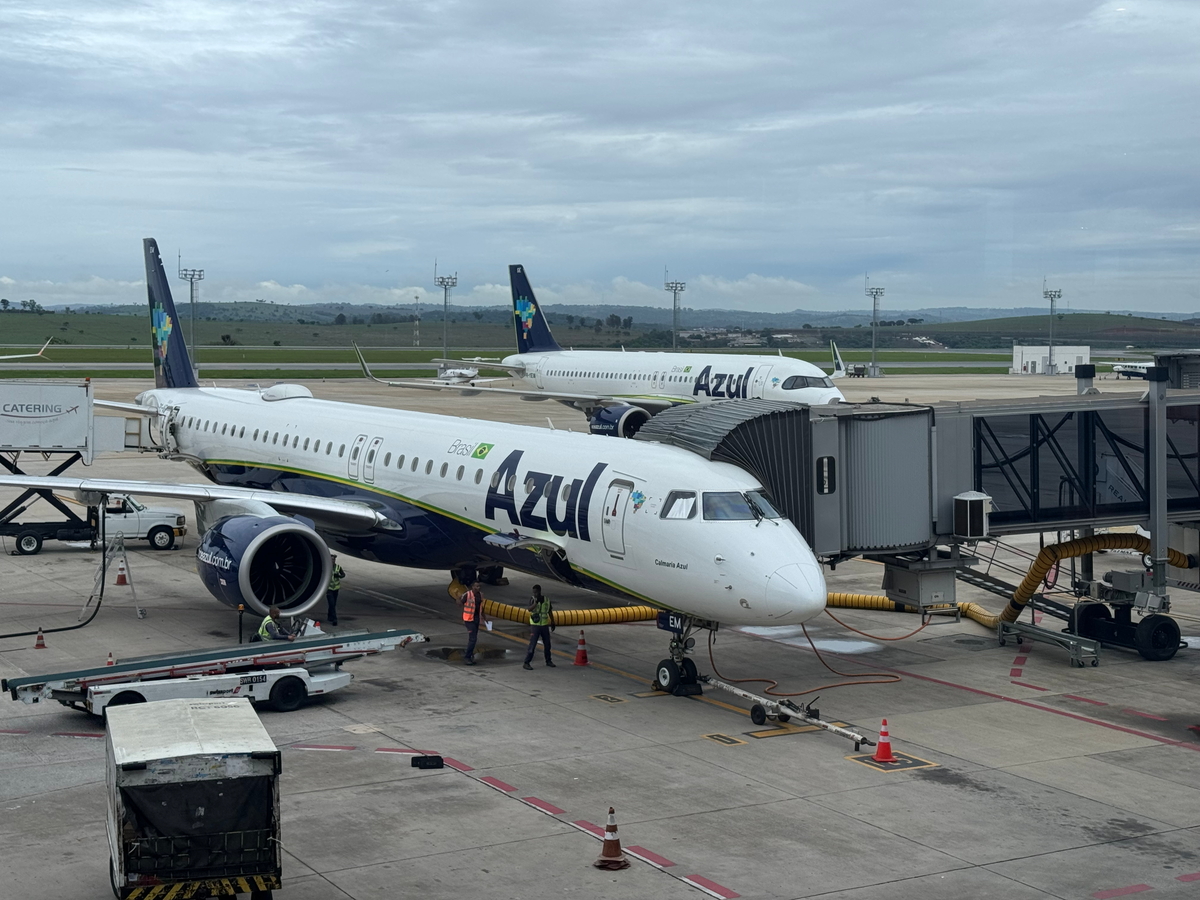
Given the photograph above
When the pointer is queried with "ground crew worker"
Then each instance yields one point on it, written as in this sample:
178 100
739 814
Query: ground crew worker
472 604
335 585
539 626
272 629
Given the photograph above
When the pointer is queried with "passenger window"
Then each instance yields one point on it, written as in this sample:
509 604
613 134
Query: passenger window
256 434
329 448
461 470
429 467
205 428
416 462
275 438
495 482
512 483
442 471
306 443
478 475
566 491
529 485
354 454
387 460
242 432
723 506
223 427
341 451
285 439
296 441
371 456
400 461
679 505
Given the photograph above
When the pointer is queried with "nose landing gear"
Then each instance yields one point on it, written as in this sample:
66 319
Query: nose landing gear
677 674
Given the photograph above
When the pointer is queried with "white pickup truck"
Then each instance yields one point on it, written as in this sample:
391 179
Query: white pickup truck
122 515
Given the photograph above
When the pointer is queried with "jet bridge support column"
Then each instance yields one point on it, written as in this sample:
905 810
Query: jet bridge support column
1156 378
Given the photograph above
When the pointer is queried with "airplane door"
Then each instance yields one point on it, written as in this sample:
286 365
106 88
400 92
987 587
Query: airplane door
613 524
369 462
355 453
760 381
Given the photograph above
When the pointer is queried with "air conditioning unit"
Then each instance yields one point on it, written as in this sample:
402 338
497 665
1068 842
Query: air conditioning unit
971 510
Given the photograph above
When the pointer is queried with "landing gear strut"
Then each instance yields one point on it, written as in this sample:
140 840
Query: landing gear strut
678 674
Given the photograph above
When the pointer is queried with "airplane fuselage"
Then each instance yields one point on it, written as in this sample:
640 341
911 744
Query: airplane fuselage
449 483
676 377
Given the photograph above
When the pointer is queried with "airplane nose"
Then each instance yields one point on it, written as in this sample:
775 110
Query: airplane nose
795 593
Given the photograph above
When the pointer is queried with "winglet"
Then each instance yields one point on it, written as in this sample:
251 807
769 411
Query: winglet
839 367
362 361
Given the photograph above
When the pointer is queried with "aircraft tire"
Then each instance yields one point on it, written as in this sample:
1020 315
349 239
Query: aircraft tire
668 675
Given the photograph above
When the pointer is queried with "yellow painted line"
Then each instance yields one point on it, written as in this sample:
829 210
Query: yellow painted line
789 728
905 763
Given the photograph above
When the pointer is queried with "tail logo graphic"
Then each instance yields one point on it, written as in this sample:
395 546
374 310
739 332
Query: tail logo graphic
162 326
525 311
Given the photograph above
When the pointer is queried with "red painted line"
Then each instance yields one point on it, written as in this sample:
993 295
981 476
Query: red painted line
332 747
548 808
593 830
1037 616
1085 700
1014 673
649 856
1034 686
497 784
1020 660
1134 712
455 764
710 887
12 731
87 734
405 750
1194 876
1122 892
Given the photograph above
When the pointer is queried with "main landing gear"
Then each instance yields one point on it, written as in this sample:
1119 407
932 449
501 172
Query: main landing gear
677 674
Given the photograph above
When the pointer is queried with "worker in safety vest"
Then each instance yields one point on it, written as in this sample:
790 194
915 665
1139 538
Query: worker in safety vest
539 626
331 594
272 629
472 604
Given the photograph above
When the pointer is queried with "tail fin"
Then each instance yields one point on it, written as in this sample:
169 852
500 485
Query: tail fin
839 366
172 367
533 334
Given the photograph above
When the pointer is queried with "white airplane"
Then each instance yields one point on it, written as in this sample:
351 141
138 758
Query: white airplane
620 391
1132 369
291 476
27 355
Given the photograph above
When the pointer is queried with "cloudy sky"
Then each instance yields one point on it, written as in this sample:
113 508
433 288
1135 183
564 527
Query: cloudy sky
768 153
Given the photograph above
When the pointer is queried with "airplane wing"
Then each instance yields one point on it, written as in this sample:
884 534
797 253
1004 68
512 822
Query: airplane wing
344 515
28 355
471 389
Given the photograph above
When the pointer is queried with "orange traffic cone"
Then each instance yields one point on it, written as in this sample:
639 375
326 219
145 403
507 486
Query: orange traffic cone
611 856
883 752
110 659
581 651
40 643
121 579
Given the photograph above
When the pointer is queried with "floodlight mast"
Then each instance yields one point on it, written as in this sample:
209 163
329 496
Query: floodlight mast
1053 296
192 276
417 321
676 288
874 293
445 282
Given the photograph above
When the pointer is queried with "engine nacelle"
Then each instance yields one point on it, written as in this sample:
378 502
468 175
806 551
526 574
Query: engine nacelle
264 561
618 421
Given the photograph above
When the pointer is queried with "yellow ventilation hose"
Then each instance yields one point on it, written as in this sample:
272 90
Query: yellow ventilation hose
610 616
1028 586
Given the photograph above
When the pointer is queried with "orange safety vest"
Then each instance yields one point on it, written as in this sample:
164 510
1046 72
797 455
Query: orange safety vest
469 600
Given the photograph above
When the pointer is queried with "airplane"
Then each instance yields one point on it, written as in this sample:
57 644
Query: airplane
1132 369
290 476
619 392
27 355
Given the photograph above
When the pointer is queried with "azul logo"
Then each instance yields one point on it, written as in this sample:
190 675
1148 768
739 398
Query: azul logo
720 384
638 499
475 451
544 508
161 327
525 310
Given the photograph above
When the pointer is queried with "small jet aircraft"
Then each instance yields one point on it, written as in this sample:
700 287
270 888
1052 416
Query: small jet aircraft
619 391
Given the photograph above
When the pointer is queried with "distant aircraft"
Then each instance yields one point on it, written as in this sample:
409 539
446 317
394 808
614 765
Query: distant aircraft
28 355
620 391
288 476
1132 369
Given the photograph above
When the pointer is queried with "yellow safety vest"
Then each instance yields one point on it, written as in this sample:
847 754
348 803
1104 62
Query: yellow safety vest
262 630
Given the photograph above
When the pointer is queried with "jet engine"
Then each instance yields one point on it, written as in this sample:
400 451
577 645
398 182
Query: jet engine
264 561
618 421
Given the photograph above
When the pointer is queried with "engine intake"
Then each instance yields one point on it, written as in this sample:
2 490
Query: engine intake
618 421
263 562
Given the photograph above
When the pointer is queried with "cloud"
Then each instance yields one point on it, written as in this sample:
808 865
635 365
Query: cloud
959 152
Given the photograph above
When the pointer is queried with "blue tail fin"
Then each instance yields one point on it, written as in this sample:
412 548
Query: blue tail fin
533 334
172 368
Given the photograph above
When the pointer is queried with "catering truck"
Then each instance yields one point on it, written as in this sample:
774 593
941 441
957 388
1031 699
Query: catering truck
193 801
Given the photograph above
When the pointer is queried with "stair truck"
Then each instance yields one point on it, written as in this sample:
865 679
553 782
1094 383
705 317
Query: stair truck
193 801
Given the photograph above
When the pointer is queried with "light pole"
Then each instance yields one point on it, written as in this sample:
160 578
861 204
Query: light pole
676 288
874 293
1053 296
193 277
445 282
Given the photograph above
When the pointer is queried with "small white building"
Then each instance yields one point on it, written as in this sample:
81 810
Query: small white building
1035 359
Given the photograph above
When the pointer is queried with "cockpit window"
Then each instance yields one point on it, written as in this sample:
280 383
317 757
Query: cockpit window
679 505
796 382
726 505
760 501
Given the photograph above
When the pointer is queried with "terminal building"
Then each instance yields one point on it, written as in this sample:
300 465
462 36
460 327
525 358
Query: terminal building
1031 359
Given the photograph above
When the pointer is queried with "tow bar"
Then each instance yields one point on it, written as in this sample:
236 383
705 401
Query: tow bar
785 710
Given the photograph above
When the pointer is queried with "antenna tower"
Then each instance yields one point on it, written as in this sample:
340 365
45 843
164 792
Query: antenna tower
193 277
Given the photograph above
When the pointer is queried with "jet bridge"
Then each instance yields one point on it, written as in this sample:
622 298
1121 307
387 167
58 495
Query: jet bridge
884 480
